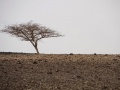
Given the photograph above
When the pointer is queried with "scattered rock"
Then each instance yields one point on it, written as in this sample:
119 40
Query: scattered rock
5 71
57 70
16 70
35 62
115 59
49 72
67 71
118 55
50 69
78 76
39 60
58 88
45 61
104 87
119 78
18 62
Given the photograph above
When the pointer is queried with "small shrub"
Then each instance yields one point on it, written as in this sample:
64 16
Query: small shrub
105 55
71 54
95 53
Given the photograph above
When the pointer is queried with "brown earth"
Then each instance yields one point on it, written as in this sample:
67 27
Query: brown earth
59 72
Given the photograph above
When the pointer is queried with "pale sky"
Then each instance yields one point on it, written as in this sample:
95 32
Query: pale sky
89 26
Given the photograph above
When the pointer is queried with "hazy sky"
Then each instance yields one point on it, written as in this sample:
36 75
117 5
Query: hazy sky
89 26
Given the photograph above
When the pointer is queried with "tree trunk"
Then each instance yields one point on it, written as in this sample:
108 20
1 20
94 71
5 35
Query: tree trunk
36 48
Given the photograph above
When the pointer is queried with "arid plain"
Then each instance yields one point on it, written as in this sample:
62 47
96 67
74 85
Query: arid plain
59 71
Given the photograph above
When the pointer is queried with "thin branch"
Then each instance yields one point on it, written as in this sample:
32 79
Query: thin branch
32 32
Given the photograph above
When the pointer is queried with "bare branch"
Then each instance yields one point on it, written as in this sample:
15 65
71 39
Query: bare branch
32 32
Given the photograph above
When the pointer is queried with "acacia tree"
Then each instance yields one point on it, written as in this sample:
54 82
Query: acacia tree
32 32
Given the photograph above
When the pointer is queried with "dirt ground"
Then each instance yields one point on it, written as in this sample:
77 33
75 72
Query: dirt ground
59 72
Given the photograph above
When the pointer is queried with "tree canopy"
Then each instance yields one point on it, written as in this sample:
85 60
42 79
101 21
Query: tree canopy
32 32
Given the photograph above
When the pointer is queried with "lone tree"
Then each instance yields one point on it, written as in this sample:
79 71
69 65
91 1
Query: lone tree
32 32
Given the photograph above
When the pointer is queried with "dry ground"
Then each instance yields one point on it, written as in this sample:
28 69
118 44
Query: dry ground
59 72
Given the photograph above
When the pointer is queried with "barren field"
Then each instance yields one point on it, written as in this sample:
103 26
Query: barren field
59 72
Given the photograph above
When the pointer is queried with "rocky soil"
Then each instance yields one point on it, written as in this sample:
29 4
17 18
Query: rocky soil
59 72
